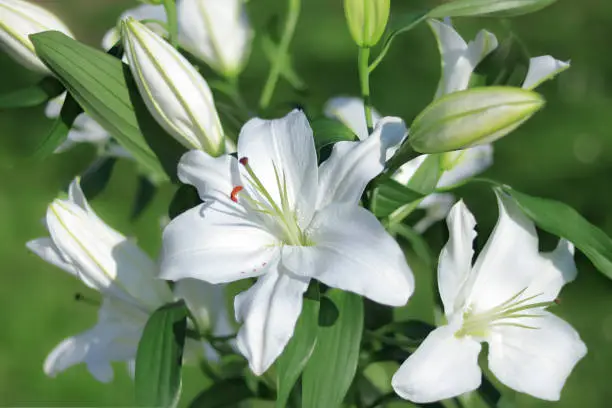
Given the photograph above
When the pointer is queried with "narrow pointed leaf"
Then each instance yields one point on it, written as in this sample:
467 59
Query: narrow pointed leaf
144 196
102 85
293 360
562 220
62 125
332 366
160 357
96 177
186 197
327 132
391 195
489 8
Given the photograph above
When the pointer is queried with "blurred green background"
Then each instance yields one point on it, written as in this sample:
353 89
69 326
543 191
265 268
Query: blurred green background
564 152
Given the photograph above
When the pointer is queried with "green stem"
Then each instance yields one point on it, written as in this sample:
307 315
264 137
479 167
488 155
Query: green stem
170 6
364 80
281 52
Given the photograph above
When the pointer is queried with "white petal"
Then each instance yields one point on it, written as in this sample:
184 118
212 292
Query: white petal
214 177
286 145
469 163
536 361
206 302
353 252
511 263
437 207
217 31
269 311
443 366
216 242
542 69
69 352
46 249
458 58
103 258
350 111
455 263
351 166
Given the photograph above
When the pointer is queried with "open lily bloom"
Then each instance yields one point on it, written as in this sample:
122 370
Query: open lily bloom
83 245
275 215
501 300
350 112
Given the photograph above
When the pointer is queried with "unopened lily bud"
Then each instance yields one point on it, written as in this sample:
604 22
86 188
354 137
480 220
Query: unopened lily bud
472 117
367 20
175 93
497 8
19 19
216 31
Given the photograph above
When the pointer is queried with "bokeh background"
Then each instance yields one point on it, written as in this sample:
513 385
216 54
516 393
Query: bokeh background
564 152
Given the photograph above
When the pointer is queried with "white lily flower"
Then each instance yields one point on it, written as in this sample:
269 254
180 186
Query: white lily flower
468 162
501 300
216 31
175 93
276 216
18 20
83 245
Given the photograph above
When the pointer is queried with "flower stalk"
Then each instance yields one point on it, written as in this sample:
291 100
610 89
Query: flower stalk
170 7
364 81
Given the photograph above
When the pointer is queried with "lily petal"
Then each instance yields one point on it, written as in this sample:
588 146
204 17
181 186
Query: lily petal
536 361
437 207
216 242
214 177
46 249
206 303
285 147
443 366
455 263
353 252
542 69
350 111
269 311
458 58
351 165
509 261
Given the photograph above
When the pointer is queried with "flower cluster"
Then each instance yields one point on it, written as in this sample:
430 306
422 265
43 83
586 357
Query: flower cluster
285 215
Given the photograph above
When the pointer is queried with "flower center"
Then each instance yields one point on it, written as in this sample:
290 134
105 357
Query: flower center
284 216
505 314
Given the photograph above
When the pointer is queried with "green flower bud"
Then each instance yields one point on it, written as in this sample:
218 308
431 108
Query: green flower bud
472 117
367 20
489 8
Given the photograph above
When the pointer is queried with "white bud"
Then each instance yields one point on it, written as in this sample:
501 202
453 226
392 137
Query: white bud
175 93
472 117
18 20
216 31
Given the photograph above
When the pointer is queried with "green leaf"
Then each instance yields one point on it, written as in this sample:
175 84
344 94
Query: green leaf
186 197
328 132
62 125
332 366
103 86
223 394
489 393
160 357
34 95
414 331
390 195
506 65
489 8
96 177
293 360
397 25
562 220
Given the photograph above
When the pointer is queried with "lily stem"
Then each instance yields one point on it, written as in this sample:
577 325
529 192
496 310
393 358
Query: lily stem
281 53
170 7
364 80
